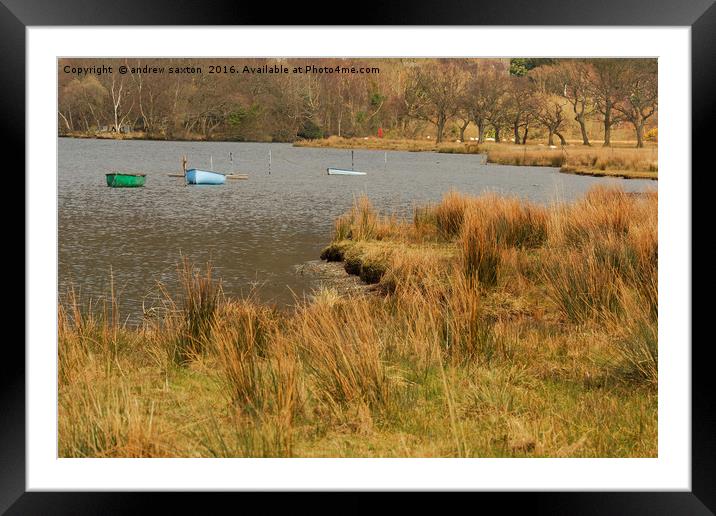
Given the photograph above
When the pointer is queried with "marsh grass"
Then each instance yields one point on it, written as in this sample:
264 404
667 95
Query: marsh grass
576 158
496 328
200 296
362 222
100 411
448 216
622 160
480 254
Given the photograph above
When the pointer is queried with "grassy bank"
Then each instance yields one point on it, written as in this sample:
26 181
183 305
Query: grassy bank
496 328
372 143
627 162
622 160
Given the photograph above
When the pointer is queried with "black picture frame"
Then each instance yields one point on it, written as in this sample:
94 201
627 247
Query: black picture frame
17 15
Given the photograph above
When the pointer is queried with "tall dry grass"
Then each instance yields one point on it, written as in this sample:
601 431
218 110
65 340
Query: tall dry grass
241 335
575 157
480 250
493 320
606 240
362 222
342 349
199 298
258 373
449 214
99 411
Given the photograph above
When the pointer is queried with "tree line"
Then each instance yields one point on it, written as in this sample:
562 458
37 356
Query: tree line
501 98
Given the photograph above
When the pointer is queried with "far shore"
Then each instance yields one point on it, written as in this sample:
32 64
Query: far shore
621 160
140 135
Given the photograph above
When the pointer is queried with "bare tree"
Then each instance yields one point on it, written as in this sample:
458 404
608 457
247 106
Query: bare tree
550 112
119 93
496 111
549 104
437 93
575 78
81 101
607 89
153 98
519 106
487 90
463 114
640 95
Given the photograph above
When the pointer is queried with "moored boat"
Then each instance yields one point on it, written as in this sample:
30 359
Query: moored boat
343 172
195 176
122 180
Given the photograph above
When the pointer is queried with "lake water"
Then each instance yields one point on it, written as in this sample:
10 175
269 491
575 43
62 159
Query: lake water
256 231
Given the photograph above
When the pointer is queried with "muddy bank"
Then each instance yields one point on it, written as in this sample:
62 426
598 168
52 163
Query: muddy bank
333 275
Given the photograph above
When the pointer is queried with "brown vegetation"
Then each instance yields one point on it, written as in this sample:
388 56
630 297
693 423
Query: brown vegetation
624 162
411 98
619 160
499 328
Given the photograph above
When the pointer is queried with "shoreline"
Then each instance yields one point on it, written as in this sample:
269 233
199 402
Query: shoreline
618 162
623 174
533 155
145 137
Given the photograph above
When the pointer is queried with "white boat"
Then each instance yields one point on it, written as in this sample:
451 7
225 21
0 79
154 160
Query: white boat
343 172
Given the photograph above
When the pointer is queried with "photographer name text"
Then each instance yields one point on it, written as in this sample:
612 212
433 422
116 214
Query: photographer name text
273 69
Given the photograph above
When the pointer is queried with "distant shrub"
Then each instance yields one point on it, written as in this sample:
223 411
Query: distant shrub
310 130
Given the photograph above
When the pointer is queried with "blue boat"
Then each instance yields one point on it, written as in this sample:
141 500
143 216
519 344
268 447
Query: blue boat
195 176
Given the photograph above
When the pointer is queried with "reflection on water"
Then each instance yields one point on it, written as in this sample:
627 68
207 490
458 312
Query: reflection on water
254 231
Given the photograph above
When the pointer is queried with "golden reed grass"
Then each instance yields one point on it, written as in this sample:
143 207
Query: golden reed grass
575 158
493 320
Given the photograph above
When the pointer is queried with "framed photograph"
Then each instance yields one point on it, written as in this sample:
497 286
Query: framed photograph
440 252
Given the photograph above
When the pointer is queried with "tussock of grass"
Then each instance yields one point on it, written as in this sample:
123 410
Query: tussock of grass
362 222
449 214
200 296
637 336
497 328
580 286
480 249
623 162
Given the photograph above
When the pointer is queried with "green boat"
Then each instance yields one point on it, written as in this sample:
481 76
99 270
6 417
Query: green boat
120 180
